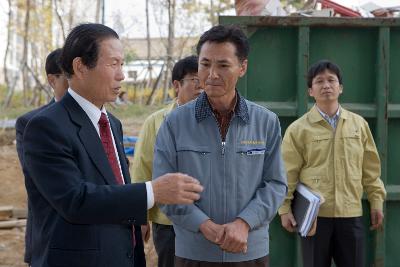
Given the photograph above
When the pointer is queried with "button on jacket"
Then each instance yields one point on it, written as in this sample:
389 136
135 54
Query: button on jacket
144 153
243 177
340 164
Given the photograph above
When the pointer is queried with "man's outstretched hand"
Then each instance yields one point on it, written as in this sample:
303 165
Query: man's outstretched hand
176 188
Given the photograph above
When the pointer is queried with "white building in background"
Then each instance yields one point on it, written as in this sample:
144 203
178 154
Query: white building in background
136 71
3 36
83 11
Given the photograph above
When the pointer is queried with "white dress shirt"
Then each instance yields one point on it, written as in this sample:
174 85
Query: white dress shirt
94 114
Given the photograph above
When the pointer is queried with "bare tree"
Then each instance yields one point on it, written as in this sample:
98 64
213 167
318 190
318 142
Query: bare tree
59 19
149 64
11 84
98 10
170 46
24 62
71 14
10 89
213 19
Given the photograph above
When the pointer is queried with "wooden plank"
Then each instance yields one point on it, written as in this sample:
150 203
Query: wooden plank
6 212
19 213
12 224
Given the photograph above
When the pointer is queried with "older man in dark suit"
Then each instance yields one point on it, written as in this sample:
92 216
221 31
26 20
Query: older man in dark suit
83 205
59 84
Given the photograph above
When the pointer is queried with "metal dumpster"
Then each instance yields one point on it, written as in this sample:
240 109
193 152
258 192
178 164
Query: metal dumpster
368 51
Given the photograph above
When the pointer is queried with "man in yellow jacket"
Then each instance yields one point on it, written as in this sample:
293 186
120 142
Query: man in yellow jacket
331 150
187 88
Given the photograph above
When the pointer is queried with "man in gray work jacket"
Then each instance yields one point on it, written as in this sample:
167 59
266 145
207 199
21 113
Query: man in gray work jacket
232 146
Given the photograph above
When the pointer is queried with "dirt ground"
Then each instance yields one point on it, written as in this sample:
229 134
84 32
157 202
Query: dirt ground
12 193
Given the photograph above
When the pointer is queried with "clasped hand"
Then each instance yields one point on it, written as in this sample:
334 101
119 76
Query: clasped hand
231 237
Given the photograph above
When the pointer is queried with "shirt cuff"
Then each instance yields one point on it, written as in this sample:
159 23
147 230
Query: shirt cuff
150 195
284 209
376 204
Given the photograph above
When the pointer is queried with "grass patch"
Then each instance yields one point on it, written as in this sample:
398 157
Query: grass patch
14 112
138 111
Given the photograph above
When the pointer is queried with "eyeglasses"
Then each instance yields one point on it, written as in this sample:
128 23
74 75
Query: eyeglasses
195 81
331 82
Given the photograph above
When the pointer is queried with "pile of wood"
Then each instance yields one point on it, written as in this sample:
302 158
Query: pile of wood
11 217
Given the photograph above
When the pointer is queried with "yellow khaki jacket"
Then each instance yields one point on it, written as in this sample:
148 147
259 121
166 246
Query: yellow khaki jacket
339 164
142 165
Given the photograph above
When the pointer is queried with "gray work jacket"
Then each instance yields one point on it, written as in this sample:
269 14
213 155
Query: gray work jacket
243 177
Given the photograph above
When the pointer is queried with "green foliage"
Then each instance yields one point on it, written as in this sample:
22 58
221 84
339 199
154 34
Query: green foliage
17 107
137 111
130 55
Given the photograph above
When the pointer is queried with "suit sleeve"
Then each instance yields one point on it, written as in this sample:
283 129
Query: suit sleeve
186 216
19 133
51 160
269 196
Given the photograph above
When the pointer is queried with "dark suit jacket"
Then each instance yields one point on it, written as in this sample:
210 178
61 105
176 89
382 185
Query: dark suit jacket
80 216
20 125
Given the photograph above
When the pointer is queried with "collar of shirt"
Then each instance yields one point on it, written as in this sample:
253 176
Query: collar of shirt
90 109
331 120
230 112
203 108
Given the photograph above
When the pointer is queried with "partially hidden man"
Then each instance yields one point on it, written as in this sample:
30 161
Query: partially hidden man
59 84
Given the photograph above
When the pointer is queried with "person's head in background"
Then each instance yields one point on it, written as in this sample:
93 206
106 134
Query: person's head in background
55 76
324 81
185 80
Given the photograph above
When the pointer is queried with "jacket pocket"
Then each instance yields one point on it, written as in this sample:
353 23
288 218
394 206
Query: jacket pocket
353 152
196 161
314 179
318 149
249 166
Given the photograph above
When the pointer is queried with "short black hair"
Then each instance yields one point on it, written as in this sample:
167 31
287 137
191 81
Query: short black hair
83 41
185 66
227 33
320 67
52 65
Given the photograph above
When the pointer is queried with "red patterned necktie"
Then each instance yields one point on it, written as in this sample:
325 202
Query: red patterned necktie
106 139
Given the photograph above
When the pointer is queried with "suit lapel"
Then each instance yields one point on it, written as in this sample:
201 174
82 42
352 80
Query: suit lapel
120 149
89 138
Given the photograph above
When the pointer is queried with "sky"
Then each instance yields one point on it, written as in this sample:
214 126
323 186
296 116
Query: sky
384 3
132 13
132 17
